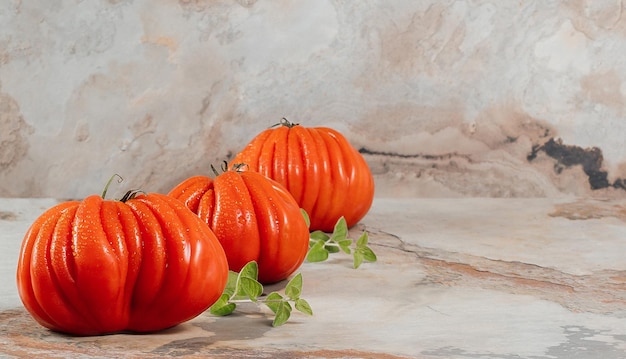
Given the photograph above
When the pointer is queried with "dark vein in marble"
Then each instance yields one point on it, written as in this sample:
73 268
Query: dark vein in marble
591 160
445 156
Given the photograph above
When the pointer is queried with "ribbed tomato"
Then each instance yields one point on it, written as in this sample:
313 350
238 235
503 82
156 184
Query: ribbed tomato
254 218
102 266
326 175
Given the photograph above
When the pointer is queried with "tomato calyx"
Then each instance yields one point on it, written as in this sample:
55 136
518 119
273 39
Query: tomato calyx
237 167
286 123
130 194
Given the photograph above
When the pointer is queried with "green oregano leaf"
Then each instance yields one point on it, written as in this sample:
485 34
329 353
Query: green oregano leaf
345 245
294 287
317 245
358 259
340 231
317 253
250 270
222 306
362 241
282 314
250 287
317 236
368 254
303 306
331 248
273 301
247 285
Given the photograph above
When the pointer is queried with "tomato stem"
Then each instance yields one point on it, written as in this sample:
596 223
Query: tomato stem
106 187
285 122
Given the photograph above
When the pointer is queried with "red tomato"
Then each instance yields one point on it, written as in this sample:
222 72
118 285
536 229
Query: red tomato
102 266
326 175
253 217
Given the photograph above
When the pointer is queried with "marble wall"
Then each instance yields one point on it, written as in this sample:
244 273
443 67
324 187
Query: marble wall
443 98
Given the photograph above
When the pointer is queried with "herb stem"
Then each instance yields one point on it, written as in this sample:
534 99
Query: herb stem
260 300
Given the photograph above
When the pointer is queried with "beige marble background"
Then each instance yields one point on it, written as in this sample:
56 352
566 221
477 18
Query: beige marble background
445 98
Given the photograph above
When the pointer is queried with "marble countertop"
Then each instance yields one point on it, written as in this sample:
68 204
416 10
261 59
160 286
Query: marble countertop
455 278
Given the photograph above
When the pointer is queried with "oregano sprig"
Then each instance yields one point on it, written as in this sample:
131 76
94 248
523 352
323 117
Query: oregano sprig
321 245
244 287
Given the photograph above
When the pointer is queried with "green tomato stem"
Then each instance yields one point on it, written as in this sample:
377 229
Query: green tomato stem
106 187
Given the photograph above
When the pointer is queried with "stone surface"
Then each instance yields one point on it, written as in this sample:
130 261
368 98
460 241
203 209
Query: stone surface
455 278
448 98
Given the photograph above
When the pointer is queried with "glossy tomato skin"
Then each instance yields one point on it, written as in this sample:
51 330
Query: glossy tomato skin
326 175
99 266
254 218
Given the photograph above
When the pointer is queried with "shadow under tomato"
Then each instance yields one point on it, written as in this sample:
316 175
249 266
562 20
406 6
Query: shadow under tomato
234 327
